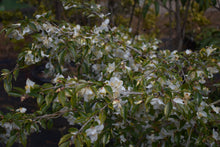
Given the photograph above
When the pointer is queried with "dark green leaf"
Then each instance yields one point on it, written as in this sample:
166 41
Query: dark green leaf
198 97
11 141
102 116
106 138
145 9
11 93
65 138
7 85
49 98
23 139
62 97
15 73
109 90
168 108
157 7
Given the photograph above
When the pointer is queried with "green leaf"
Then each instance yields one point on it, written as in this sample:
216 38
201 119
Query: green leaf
102 116
80 86
5 72
15 73
61 57
62 97
14 94
11 141
49 98
72 50
33 26
198 97
49 123
109 90
168 108
65 144
65 138
7 85
23 139
213 2
157 7
106 138
94 90
145 9
78 142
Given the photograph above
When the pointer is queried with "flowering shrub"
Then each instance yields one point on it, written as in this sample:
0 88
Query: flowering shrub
121 92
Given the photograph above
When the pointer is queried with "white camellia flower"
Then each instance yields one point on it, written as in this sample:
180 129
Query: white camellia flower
26 30
76 30
29 58
87 93
188 52
21 110
212 70
56 79
93 132
111 67
209 50
178 101
116 85
29 85
215 135
156 103
201 114
216 109
102 91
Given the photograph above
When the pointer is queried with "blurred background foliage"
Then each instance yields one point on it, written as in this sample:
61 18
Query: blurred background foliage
179 24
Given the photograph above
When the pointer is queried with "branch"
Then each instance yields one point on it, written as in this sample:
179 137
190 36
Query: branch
168 9
54 115
132 48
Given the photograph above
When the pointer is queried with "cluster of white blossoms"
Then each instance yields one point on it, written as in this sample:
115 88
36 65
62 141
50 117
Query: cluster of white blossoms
140 90
93 132
117 86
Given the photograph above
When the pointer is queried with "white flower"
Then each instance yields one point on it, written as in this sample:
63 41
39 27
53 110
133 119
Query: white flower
201 114
38 16
111 67
188 52
26 30
212 70
87 93
122 138
216 109
215 135
116 85
117 105
93 132
209 50
21 110
16 34
43 55
178 101
187 95
29 84
76 30
102 91
56 79
29 58
156 102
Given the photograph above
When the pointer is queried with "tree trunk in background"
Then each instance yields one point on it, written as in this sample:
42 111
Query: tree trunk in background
179 37
59 10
